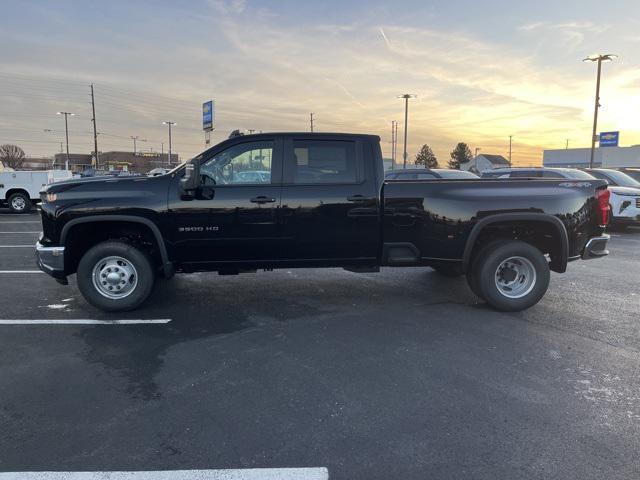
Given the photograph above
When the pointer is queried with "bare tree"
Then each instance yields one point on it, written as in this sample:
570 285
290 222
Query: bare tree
11 156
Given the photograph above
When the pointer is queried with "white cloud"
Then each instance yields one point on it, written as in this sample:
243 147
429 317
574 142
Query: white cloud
266 74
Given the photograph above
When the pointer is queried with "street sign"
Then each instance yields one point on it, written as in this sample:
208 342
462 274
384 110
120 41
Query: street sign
609 139
208 115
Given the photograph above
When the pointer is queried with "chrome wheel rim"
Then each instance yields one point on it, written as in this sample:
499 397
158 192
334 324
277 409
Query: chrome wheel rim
515 277
18 203
115 277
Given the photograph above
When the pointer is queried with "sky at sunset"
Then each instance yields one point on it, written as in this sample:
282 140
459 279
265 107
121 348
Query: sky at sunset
482 71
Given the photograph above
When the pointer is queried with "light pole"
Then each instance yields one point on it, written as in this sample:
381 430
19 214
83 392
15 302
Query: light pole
477 150
170 124
393 144
66 133
406 97
53 164
510 141
597 58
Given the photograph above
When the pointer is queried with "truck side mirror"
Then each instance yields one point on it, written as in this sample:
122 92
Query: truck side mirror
191 180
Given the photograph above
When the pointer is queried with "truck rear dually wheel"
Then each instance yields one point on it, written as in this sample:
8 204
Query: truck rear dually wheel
19 203
115 276
511 275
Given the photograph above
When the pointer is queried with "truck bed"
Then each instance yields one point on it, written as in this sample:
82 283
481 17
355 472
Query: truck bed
435 219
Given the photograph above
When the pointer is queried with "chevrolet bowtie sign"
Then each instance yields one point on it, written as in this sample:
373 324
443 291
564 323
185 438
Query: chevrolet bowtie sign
609 139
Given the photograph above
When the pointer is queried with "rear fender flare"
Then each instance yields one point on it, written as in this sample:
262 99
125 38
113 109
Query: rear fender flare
560 265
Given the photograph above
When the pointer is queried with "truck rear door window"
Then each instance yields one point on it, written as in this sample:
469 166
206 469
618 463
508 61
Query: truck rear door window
324 161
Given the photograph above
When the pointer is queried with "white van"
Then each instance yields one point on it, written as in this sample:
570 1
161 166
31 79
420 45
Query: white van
19 190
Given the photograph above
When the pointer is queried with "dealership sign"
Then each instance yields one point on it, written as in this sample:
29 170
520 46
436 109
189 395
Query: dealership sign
609 139
208 115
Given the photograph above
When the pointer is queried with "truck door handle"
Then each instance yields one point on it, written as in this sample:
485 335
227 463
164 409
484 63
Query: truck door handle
358 198
262 199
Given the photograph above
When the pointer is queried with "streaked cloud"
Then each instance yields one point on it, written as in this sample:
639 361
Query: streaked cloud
268 68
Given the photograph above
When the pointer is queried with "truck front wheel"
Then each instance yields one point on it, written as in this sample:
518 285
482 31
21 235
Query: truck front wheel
19 203
115 276
511 275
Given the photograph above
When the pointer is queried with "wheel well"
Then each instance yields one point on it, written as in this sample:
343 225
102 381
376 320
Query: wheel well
83 236
543 235
11 191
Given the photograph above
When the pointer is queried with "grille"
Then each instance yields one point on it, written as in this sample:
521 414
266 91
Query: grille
637 202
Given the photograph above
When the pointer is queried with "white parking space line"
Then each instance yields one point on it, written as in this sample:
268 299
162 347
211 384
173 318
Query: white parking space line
17 246
20 271
320 473
13 233
84 321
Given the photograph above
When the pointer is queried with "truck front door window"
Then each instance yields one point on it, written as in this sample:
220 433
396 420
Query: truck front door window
243 164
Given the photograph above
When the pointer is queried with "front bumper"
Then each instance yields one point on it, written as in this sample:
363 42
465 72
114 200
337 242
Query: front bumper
51 260
596 248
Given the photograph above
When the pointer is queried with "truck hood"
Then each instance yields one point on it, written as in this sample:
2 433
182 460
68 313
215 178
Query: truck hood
100 183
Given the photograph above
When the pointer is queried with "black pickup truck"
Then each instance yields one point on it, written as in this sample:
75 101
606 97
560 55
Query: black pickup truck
291 200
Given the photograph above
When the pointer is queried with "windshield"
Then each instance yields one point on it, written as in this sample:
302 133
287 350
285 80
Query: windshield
619 178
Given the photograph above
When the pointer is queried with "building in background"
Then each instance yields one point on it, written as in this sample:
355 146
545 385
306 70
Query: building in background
141 162
484 162
603 157
36 163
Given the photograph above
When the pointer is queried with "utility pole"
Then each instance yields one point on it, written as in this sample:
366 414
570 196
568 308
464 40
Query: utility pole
66 132
477 150
135 138
406 97
566 147
170 124
311 119
95 129
597 58
510 140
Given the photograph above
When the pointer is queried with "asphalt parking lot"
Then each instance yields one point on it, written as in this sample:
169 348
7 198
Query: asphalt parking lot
396 375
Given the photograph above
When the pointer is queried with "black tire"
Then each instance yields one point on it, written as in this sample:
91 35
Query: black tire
451 271
472 285
19 203
138 275
517 259
473 267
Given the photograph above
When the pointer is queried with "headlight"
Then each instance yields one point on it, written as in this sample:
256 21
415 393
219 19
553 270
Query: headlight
51 197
